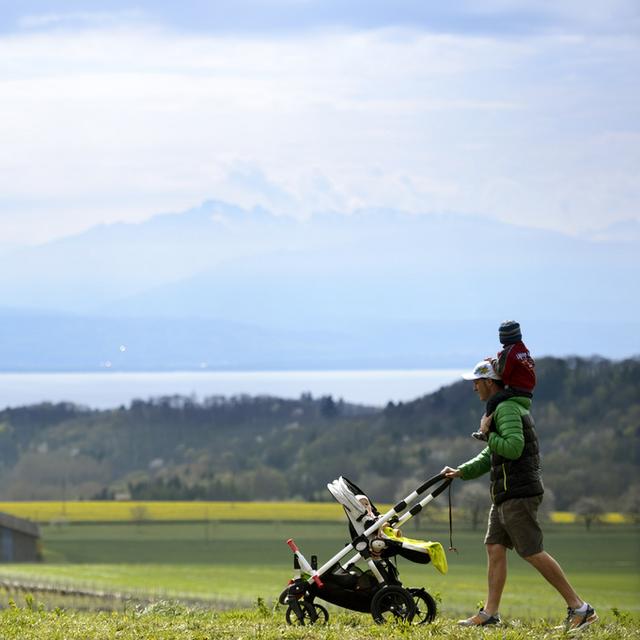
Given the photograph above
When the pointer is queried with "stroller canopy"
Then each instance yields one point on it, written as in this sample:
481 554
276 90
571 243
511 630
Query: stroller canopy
362 514
360 510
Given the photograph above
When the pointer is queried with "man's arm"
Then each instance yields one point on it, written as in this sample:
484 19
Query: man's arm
471 469
508 439
477 466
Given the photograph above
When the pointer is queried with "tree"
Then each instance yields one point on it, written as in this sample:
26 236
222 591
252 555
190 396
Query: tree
264 483
139 514
475 500
548 505
631 502
589 509
328 408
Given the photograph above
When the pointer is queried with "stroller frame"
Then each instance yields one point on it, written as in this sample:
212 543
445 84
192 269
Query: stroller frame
385 596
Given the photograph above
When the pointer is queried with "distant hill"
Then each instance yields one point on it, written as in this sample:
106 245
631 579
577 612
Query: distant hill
224 262
587 414
249 289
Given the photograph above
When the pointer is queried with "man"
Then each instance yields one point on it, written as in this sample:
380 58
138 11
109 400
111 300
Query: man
516 492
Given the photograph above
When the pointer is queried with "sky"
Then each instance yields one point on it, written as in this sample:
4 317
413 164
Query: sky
523 111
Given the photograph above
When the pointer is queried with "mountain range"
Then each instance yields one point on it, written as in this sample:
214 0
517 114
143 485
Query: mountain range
230 288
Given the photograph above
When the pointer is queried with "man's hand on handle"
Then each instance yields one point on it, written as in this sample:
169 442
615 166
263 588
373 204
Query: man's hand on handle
448 472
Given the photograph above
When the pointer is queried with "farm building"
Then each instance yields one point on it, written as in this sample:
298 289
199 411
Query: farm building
19 539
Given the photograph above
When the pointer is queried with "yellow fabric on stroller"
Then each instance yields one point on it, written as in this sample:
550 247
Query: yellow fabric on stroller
434 549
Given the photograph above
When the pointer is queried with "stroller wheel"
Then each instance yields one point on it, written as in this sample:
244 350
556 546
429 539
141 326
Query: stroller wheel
310 613
392 604
425 606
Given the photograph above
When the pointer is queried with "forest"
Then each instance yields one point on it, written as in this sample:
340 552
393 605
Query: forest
586 410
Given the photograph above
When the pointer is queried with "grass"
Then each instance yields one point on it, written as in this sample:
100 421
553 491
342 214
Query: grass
240 563
249 563
166 621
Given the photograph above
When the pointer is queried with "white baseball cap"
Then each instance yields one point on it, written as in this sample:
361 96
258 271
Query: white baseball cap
484 369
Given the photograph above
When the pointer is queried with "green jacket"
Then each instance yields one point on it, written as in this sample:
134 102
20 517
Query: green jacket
511 454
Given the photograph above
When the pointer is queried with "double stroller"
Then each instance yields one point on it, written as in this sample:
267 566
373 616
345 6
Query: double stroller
376 540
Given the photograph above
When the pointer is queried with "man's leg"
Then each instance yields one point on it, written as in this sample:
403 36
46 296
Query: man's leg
553 573
496 543
496 576
580 614
527 536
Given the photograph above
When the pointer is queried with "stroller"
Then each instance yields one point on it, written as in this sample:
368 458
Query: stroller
375 539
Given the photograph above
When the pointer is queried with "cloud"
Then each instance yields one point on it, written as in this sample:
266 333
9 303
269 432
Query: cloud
79 19
468 17
102 124
595 16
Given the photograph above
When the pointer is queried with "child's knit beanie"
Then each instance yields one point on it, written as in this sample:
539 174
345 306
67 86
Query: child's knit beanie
509 332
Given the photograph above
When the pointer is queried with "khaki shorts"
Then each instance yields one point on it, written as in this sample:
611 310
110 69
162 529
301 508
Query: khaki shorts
514 524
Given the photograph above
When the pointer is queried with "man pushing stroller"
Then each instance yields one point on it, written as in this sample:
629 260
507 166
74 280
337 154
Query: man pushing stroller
511 456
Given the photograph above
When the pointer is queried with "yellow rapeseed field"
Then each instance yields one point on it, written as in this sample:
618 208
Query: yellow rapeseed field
567 517
149 511
132 511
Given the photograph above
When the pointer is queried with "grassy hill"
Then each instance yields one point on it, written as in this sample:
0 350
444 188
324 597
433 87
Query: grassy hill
587 414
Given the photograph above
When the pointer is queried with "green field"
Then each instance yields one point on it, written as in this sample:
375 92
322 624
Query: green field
241 562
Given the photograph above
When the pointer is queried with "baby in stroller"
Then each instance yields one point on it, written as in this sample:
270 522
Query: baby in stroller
376 539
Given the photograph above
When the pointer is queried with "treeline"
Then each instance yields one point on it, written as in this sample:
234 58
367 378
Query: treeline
587 413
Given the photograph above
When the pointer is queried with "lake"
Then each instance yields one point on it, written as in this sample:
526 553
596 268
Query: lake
112 389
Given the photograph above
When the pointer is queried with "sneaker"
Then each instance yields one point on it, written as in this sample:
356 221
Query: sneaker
481 619
577 620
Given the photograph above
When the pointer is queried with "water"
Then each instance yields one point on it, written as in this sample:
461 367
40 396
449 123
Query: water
112 389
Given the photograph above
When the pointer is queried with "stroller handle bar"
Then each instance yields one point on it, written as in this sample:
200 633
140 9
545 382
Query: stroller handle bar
402 505
417 508
397 514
